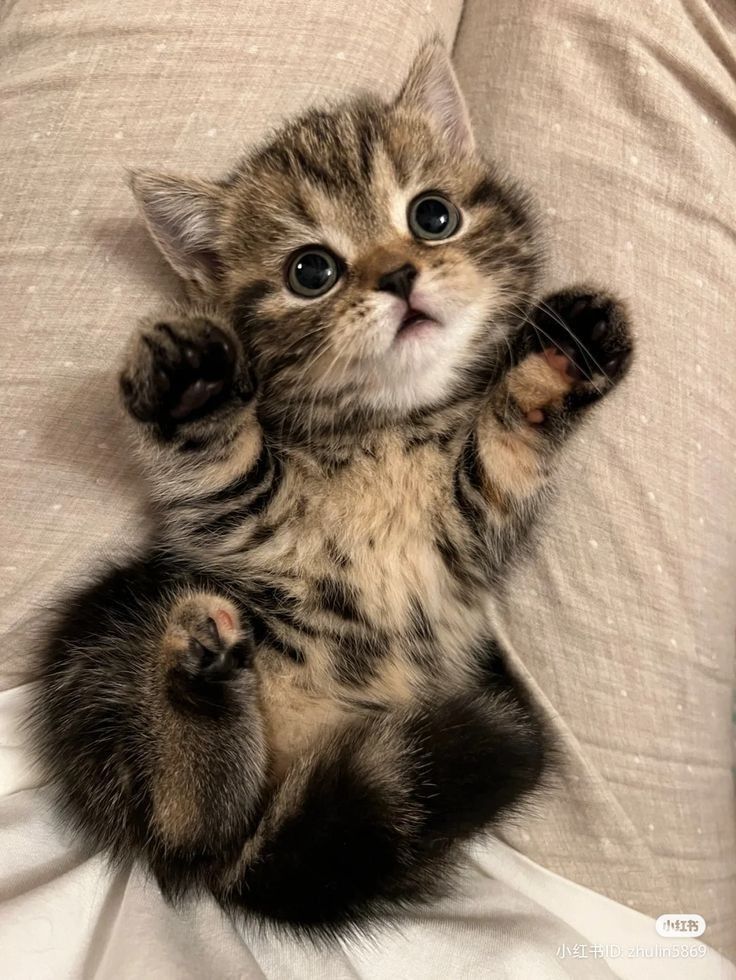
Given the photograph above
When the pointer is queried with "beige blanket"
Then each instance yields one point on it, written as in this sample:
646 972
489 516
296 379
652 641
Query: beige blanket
620 116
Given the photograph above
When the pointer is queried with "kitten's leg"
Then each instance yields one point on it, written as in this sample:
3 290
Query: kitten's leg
209 759
187 385
575 348
372 820
148 722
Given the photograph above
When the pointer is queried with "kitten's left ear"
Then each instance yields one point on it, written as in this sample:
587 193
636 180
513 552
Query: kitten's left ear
432 87
184 217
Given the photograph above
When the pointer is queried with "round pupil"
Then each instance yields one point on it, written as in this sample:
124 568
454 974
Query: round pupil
313 271
432 215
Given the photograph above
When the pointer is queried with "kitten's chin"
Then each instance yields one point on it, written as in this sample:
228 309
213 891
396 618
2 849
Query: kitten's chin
424 365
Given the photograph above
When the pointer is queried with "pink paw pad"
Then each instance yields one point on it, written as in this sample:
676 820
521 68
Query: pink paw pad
562 362
226 624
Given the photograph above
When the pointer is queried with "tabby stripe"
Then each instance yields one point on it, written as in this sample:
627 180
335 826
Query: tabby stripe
335 597
264 635
246 301
231 519
469 471
278 603
214 439
260 534
471 463
269 595
316 173
421 625
155 347
359 656
247 481
485 191
259 503
301 209
335 553
419 439
365 154
461 570
173 337
194 444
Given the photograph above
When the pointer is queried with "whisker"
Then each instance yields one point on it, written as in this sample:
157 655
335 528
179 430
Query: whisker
560 321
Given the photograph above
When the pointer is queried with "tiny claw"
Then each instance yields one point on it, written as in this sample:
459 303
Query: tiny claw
200 651
222 667
212 631
191 355
574 372
598 331
242 653
195 396
579 306
217 359
555 358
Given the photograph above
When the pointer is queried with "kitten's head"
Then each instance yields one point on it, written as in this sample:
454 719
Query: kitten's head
369 257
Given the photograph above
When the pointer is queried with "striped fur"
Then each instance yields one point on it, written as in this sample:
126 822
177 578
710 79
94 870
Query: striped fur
292 699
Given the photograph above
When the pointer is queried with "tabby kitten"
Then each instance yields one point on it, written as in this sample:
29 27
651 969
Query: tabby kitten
293 699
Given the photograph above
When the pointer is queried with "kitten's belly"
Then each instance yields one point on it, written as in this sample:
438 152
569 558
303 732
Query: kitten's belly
358 553
402 591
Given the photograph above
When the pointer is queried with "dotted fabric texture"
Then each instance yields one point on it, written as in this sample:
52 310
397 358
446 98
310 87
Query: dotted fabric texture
620 118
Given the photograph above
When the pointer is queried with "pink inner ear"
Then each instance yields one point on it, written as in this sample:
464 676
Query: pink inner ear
182 217
433 88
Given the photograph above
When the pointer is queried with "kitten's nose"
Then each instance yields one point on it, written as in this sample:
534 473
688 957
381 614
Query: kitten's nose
398 282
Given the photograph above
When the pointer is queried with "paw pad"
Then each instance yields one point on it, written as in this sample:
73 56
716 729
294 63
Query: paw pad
585 337
206 639
179 371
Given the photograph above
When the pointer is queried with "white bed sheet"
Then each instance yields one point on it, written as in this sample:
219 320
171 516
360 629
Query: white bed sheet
64 914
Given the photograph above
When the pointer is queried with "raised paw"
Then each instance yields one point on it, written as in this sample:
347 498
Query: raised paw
575 347
205 640
584 336
179 369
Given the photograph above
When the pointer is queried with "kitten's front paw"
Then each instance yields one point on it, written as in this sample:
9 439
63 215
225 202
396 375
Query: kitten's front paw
178 370
204 639
585 337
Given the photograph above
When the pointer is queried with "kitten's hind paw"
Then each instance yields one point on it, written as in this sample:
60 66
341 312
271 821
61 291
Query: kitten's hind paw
204 639
585 337
179 369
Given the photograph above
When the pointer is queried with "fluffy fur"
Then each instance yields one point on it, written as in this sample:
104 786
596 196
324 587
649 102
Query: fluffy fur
292 699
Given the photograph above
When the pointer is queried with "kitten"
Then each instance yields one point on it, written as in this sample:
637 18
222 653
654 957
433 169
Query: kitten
293 699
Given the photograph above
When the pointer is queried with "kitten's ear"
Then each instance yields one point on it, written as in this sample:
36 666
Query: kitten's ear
183 217
432 87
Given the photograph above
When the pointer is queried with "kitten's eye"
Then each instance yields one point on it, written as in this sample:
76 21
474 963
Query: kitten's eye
433 217
312 272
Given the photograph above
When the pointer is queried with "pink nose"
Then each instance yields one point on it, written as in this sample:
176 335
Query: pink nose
398 282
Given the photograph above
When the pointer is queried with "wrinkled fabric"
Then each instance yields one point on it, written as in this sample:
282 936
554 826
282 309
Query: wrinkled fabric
64 913
620 119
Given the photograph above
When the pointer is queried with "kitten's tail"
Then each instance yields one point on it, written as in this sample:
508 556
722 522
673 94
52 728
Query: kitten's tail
370 824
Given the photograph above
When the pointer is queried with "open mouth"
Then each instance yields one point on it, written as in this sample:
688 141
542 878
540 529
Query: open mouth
412 320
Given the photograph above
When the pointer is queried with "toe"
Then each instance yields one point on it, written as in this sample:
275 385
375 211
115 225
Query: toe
195 397
556 359
614 366
574 372
599 331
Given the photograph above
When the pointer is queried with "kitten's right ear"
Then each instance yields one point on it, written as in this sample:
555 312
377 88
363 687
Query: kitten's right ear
432 87
184 218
